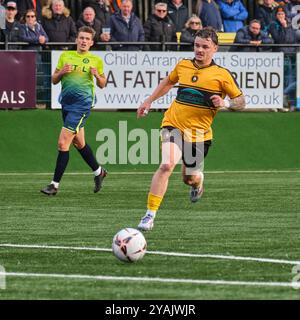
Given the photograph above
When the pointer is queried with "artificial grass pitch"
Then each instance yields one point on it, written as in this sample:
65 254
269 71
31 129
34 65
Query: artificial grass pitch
240 214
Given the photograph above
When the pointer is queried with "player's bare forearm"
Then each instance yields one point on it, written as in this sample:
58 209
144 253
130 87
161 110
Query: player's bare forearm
234 104
56 77
101 81
164 87
237 104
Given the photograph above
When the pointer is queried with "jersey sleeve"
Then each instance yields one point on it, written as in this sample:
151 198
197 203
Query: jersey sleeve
230 86
173 76
100 68
61 62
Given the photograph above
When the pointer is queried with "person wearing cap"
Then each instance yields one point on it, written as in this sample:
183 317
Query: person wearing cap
12 25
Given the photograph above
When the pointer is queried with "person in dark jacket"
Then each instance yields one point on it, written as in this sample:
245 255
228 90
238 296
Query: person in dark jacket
253 35
32 32
188 34
125 26
209 13
88 18
266 13
178 13
282 32
12 25
159 27
57 22
103 10
233 14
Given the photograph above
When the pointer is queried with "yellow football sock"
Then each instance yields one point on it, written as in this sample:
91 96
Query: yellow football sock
153 202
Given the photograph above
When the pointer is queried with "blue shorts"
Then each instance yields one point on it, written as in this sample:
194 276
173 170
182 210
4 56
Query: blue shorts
74 120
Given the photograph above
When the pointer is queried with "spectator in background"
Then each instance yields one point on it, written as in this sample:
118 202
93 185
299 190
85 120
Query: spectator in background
287 4
12 25
24 5
282 32
188 34
265 13
102 9
88 18
253 35
159 27
58 23
32 32
178 13
125 26
209 13
116 5
233 14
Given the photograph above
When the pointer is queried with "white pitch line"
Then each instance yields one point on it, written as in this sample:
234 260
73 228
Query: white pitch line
152 279
162 253
146 172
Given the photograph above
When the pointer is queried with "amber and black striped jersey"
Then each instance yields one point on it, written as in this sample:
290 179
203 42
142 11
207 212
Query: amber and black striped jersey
192 109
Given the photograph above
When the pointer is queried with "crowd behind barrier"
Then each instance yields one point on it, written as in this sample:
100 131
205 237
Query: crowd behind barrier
163 25
44 66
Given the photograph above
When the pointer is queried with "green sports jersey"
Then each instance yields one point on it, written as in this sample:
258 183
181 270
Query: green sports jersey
78 88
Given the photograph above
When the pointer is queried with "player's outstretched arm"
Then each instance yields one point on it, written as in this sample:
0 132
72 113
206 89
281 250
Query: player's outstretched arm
164 87
235 104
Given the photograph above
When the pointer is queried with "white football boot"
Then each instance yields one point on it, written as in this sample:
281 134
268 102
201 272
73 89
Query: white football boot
147 223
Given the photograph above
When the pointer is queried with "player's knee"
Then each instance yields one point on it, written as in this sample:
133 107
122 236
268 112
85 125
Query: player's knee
78 145
75 144
63 145
166 167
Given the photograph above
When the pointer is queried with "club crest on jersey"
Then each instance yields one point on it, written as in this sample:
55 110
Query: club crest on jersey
85 60
194 78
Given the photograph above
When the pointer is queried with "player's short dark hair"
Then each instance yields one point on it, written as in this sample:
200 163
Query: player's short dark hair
208 32
87 29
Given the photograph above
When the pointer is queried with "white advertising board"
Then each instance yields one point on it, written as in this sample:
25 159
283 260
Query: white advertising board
132 77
